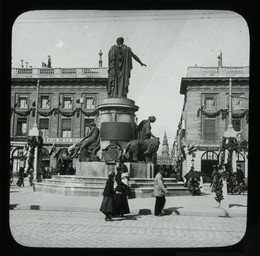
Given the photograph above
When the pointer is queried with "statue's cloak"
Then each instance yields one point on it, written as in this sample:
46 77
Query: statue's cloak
119 70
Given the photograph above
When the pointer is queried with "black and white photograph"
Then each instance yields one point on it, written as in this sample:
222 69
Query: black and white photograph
129 128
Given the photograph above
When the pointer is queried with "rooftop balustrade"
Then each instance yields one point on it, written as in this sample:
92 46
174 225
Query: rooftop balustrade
218 72
59 73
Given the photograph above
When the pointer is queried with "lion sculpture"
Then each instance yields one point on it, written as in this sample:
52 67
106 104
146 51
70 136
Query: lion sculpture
142 150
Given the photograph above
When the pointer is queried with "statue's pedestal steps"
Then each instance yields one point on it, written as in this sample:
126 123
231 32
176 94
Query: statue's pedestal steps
71 185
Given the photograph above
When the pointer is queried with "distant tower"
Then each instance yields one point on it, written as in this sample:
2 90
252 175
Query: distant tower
100 59
220 59
165 156
49 61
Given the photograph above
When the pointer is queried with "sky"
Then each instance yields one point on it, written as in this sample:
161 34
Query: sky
167 41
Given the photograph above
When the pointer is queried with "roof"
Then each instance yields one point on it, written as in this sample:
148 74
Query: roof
202 74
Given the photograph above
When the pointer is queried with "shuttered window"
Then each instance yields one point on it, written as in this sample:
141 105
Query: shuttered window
209 129
66 127
23 102
67 102
44 126
90 102
45 102
44 123
21 127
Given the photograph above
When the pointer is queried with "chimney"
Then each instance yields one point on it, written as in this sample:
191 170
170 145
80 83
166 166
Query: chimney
22 63
100 59
220 60
49 61
26 64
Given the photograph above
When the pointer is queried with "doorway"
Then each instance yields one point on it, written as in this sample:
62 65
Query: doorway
208 159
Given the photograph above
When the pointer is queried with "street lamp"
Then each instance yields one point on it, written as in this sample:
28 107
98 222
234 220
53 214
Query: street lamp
35 132
230 132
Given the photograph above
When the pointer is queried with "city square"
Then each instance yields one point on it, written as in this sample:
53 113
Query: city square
151 151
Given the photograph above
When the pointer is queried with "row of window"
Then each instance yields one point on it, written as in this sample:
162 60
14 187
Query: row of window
238 101
66 102
66 127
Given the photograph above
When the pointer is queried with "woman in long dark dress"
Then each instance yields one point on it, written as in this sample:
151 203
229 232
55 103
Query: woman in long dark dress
121 206
107 205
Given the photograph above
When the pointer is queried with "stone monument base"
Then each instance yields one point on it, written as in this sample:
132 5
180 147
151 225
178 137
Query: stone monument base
101 169
91 177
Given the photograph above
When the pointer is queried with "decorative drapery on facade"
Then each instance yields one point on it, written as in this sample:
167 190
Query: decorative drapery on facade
55 111
224 113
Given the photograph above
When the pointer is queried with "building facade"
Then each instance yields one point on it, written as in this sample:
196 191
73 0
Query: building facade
204 117
66 104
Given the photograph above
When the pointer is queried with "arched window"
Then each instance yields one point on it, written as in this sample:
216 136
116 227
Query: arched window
240 157
209 155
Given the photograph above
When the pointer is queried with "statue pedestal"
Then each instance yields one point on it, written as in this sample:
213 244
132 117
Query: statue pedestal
101 169
117 121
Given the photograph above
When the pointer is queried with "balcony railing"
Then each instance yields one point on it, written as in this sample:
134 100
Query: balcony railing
59 72
218 72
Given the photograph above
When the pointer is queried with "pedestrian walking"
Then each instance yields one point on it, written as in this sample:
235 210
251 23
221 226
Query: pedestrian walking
107 205
159 192
121 206
20 181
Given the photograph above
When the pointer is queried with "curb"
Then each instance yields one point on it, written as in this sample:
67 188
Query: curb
210 212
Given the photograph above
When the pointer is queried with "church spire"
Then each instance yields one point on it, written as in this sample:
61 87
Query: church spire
165 145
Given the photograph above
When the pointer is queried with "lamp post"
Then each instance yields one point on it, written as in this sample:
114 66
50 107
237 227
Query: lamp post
36 132
229 133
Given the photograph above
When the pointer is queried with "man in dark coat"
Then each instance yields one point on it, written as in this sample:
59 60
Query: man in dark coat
119 68
240 174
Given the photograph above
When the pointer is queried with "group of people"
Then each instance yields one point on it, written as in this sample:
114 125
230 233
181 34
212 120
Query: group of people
236 180
115 194
115 198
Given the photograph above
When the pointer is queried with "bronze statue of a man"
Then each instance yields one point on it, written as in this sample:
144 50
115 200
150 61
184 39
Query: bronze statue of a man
144 129
119 68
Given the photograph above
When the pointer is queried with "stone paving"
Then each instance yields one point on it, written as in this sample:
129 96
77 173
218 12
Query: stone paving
49 220
87 229
25 198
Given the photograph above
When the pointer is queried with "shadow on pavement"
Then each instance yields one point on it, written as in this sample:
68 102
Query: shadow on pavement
231 205
126 217
144 212
169 211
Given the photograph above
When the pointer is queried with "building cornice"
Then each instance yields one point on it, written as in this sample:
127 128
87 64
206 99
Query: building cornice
193 81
